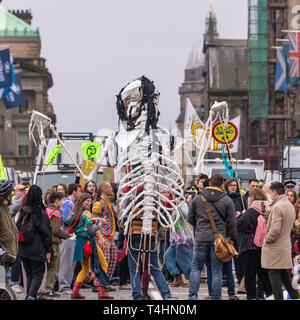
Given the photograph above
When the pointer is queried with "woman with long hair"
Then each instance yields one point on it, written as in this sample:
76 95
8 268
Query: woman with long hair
292 196
259 209
86 249
35 253
232 189
62 188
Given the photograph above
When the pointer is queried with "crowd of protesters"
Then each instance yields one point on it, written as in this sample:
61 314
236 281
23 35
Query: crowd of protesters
79 242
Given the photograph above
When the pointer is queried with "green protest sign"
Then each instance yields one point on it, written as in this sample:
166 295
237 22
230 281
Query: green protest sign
53 154
2 171
91 150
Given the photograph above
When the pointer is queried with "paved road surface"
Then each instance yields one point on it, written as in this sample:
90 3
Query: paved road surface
181 293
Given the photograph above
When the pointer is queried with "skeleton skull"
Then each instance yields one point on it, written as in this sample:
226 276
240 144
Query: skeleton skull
132 97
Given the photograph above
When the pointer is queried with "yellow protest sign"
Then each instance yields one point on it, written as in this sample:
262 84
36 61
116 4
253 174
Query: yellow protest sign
231 132
86 168
2 171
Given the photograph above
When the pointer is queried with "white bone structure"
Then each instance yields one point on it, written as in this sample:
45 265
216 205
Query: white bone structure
150 170
41 121
218 112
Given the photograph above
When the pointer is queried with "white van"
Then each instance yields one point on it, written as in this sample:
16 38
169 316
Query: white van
62 170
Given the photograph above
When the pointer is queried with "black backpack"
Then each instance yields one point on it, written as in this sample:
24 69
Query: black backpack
26 226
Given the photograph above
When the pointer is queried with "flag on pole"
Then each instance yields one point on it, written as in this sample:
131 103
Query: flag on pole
5 91
294 57
281 80
5 69
91 150
15 97
192 121
53 155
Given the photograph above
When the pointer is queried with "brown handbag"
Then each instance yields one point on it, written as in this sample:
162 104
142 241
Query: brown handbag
224 247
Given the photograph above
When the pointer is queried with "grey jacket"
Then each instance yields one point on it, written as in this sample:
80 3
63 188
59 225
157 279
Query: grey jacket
198 217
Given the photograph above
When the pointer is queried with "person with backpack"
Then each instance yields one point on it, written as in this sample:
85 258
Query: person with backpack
252 226
56 221
35 243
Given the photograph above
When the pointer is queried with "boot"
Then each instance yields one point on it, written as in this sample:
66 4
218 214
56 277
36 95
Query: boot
178 281
75 292
102 294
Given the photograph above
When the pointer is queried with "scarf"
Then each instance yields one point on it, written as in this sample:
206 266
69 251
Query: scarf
76 217
257 206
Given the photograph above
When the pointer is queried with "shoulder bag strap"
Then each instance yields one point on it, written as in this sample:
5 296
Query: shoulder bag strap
218 211
208 210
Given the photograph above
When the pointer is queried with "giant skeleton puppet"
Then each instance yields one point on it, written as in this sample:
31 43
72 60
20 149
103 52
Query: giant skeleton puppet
145 167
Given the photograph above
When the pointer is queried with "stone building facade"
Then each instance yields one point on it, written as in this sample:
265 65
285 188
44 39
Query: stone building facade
24 42
217 70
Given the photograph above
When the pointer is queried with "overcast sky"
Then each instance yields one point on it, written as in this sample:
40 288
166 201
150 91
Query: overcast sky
93 48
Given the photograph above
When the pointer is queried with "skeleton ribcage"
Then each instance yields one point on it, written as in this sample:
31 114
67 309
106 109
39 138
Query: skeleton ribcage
148 172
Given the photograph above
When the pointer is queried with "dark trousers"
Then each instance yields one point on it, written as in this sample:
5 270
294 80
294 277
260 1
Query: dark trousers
279 277
34 273
239 267
252 259
16 271
124 271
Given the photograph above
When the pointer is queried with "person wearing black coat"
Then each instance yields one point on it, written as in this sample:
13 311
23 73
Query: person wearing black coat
231 187
35 254
247 225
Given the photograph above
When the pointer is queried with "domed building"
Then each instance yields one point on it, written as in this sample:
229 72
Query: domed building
217 70
193 86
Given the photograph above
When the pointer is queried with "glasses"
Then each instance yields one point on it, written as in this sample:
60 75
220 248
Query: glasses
232 185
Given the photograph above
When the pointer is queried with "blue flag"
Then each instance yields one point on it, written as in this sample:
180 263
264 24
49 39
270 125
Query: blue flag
281 83
5 91
15 97
5 69
228 166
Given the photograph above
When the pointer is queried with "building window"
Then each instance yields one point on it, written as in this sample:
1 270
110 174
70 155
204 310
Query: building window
23 144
